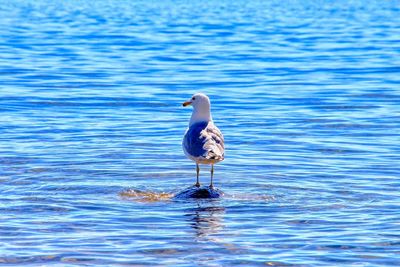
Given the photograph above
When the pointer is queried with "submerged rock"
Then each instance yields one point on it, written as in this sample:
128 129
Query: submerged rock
199 192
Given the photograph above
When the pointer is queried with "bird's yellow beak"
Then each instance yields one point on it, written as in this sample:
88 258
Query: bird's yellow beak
187 103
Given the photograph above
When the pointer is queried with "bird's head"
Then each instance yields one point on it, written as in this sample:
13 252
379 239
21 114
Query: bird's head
198 101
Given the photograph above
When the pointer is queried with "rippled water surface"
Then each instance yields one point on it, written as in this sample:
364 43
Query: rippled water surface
307 94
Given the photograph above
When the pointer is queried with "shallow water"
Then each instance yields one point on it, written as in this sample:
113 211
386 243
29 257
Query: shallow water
307 96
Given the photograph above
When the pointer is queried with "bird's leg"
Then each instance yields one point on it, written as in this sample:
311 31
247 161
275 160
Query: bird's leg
197 172
212 174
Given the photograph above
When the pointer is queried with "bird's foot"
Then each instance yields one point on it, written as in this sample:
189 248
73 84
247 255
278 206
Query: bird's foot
211 186
197 184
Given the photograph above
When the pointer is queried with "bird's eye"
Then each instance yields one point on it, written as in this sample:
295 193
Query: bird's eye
193 98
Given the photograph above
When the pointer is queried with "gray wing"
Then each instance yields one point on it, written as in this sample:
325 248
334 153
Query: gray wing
213 142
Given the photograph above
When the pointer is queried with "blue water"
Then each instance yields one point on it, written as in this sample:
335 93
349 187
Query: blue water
307 94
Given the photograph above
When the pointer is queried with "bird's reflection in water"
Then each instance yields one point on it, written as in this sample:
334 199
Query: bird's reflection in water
206 219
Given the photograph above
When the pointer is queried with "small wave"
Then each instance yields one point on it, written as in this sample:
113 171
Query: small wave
251 197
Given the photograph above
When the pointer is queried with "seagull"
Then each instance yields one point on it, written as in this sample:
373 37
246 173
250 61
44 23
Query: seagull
203 142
